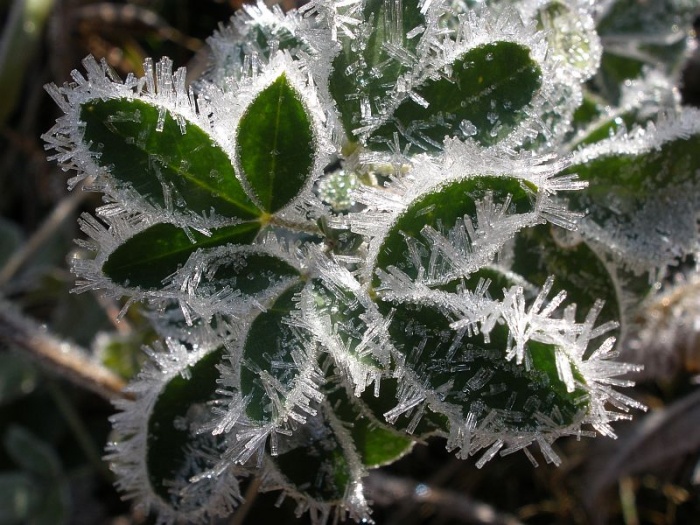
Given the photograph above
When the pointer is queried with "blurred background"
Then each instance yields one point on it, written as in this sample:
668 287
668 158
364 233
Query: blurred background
53 426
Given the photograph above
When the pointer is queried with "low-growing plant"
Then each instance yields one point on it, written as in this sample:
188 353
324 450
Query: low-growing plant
375 221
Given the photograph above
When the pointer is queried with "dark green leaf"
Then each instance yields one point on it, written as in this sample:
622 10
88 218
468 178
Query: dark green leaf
544 250
152 255
376 442
170 442
364 67
184 163
314 461
441 210
474 376
485 98
246 271
276 145
646 200
272 349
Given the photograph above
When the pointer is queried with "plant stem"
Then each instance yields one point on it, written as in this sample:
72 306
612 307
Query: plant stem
306 227
61 357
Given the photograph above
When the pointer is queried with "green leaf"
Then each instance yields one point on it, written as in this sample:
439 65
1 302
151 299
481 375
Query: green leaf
430 423
121 353
441 210
275 145
485 98
314 461
150 256
376 442
147 149
246 271
364 68
645 201
274 353
473 377
655 35
170 442
544 250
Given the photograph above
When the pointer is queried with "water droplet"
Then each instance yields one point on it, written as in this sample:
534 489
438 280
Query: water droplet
421 490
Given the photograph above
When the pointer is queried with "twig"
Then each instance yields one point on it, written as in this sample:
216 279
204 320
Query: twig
385 489
66 359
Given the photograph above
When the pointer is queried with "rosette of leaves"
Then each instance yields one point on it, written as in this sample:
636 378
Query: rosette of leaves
471 286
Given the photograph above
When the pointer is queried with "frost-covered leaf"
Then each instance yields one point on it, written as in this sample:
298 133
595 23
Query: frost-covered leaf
367 62
547 250
472 377
643 193
150 256
160 457
169 434
275 145
418 423
169 161
344 320
279 372
377 443
321 466
249 272
640 102
487 210
317 466
485 98
655 34
255 29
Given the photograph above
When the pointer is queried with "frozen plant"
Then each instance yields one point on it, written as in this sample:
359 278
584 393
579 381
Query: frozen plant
373 221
